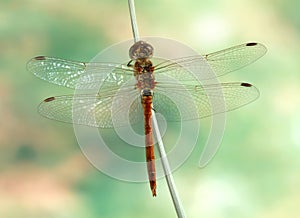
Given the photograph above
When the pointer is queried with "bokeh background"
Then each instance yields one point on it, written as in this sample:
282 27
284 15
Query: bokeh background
256 171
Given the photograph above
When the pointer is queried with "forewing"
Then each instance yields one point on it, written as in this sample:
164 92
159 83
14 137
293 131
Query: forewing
221 62
234 58
70 73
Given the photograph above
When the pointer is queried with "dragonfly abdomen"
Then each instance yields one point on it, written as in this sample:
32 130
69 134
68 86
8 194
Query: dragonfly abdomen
150 157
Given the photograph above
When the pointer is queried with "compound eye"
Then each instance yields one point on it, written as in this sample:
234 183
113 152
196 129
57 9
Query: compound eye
140 50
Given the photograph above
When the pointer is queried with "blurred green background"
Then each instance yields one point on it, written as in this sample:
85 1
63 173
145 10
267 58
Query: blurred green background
256 171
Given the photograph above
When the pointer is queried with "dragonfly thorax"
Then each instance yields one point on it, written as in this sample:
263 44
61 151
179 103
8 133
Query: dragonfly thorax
144 74
143 66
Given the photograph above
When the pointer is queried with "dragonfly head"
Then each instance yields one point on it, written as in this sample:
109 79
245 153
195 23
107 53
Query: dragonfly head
140 50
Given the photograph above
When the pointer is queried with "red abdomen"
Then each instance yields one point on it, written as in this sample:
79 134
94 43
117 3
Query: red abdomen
150 158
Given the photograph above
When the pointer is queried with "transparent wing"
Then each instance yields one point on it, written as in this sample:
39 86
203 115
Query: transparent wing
202 98
69 73
94 110
221 62
236 57
109 111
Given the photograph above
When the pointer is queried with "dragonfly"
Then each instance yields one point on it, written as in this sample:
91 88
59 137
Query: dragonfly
142 81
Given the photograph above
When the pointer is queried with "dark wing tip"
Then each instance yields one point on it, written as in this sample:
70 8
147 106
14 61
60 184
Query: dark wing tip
40 58
251 44
246 84
49 99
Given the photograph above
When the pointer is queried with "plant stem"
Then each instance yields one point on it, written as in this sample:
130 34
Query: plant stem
166 167
160 146
134 25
